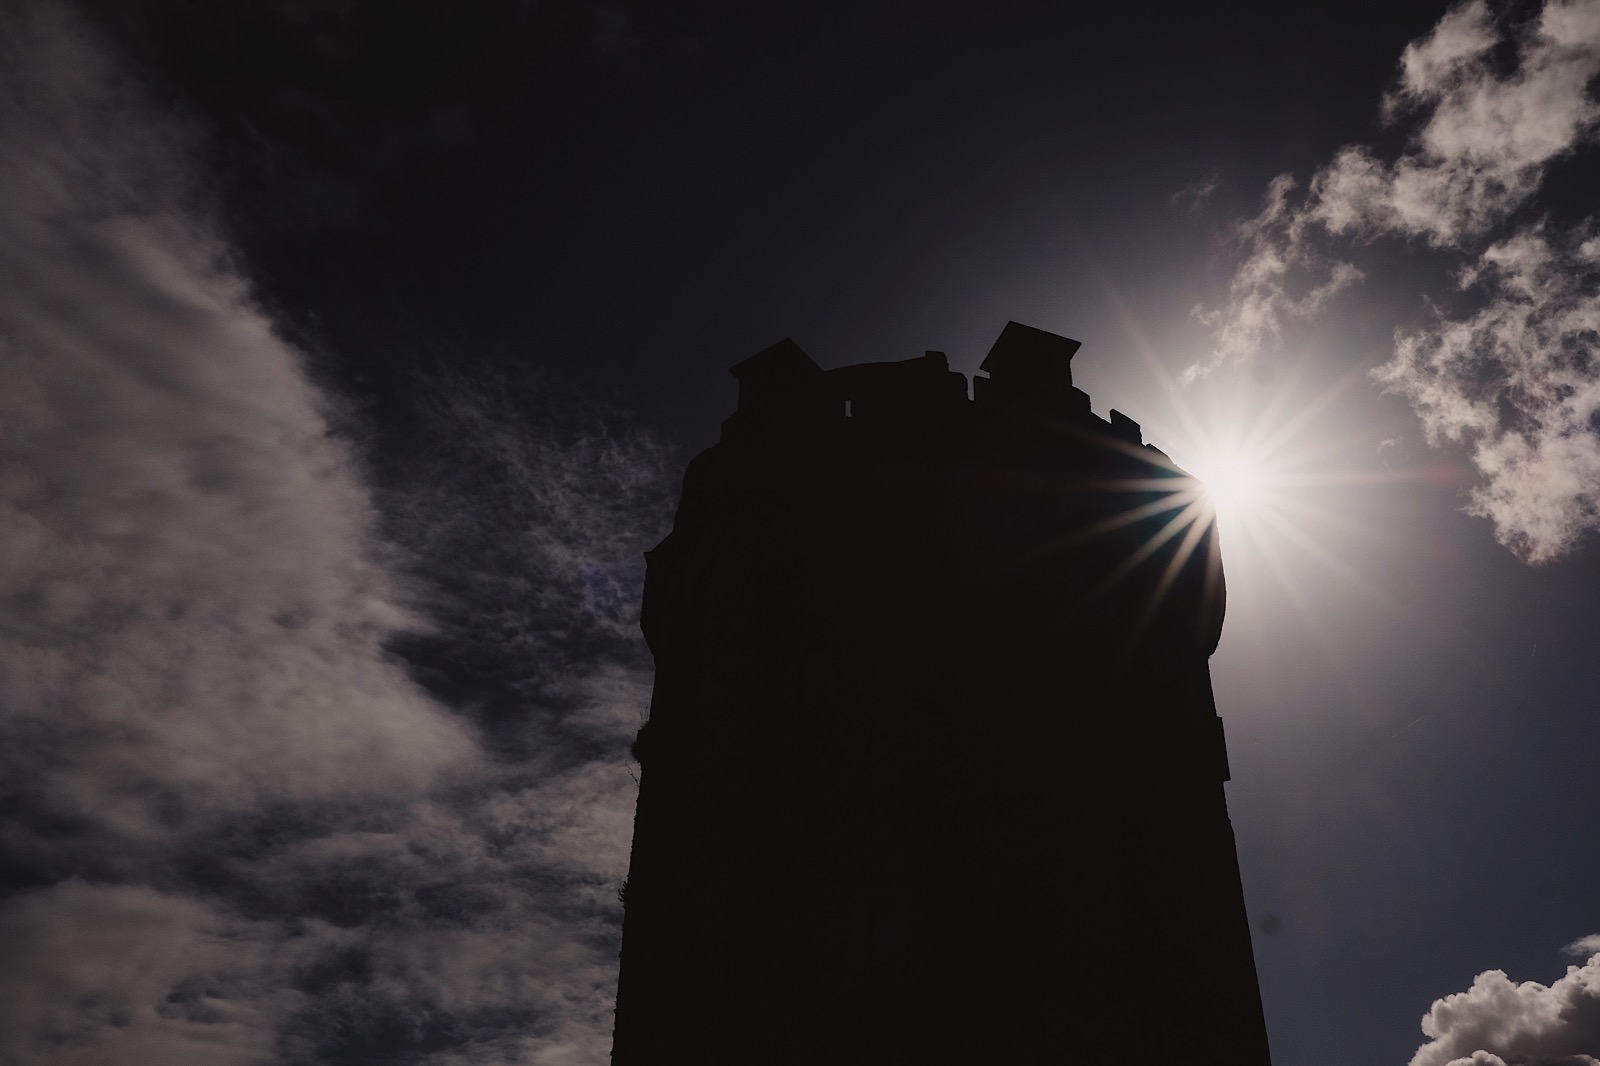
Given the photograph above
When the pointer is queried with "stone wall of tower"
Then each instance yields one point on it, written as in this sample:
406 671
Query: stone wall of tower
933 771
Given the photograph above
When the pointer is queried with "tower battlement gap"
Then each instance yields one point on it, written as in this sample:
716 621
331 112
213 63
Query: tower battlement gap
933 772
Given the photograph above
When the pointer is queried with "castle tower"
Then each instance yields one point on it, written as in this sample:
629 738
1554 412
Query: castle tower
932 772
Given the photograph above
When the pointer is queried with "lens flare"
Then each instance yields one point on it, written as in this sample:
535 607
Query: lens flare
1234 482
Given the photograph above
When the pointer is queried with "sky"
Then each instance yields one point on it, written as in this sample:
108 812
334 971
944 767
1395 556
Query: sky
350 354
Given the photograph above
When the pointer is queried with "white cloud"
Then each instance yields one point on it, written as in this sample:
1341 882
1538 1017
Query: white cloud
1284 277
1500 1022
1486 137
1482 149
195 602
1584 947
1518 380
256 838
1489 1058
98 973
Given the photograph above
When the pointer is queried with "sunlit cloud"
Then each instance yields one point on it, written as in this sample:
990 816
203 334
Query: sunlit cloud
1501 1022
1284 277
1518 383
1515 381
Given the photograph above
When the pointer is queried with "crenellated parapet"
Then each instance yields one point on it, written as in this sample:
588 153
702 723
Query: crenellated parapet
1028 373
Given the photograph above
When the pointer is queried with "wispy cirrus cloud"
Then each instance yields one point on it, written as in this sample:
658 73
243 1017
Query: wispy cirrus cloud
1500 1022
1512 381
236 829
529 512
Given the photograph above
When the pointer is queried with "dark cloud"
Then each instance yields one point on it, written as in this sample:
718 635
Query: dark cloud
236 828
1516 381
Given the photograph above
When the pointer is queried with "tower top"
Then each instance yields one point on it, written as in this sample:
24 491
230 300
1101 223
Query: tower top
1025 357
925 659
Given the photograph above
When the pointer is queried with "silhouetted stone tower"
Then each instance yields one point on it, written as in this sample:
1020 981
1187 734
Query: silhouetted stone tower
932 772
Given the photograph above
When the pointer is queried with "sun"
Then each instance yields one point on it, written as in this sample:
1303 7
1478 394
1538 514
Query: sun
1234 481
1284 475
1289 480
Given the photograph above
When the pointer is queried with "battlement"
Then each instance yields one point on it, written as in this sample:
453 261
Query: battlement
1028 372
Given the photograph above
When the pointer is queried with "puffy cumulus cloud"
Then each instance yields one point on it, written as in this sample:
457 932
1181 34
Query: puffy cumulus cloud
1500 1022
1515 380
249 834
1488 1058
1518 383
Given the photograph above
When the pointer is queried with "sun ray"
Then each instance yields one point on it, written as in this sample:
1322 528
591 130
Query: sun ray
1289 583
1289 482
1344 570
1189 516
1191 540
1268 469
